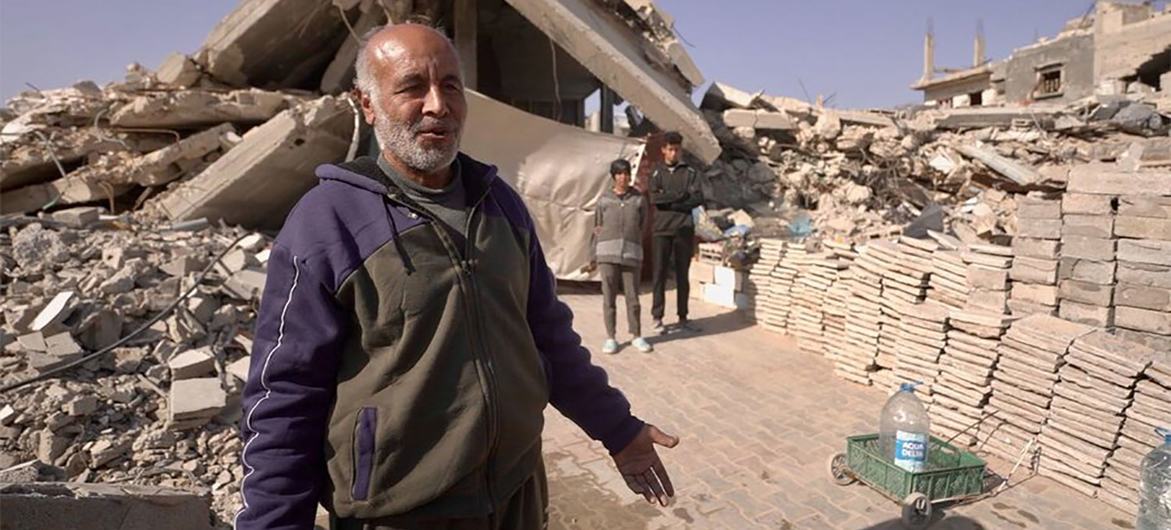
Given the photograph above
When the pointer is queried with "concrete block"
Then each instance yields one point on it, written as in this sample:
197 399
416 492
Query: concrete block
1100 272
1145 206
1100 226
178 70
1087 204
986 278
79 217
106 450
191 364
1142 227
1086 314
237 260
56 311
81 406
239 368
182 266
702 272
195 401
57 505
1143 297
761 120
1152 251
1039 228
1034 208
1150 340
1158 322
100 329
240 188
62 345
1144 274
246 284
1105 179
1022 307
1087 292
729 278
1036 248
1091 248
1033 270
995 301
1035 293
32 342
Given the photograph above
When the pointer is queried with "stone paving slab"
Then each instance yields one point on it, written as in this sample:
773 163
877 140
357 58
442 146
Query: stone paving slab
758 420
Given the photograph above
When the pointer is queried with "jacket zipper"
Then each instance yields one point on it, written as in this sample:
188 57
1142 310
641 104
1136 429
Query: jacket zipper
464 269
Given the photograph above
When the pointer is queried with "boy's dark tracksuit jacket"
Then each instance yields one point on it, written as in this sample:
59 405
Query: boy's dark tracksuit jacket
399 371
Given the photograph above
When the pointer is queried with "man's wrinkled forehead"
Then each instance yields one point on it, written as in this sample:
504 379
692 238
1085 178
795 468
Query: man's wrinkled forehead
432 57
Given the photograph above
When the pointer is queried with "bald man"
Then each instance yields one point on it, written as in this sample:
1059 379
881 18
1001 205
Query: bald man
410 336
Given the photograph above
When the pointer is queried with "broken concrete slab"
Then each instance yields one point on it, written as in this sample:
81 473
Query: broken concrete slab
56 505
57 310
188 109
721 96
174 161
339 75
195 401
178 70
762 120
239 368
605 45
246 284
273 43
239 188
979 117
78 217
191 364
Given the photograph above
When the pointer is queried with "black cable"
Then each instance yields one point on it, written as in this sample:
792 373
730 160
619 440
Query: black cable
202 274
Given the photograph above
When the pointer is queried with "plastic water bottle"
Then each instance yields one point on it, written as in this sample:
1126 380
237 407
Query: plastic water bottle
904 430
1154 508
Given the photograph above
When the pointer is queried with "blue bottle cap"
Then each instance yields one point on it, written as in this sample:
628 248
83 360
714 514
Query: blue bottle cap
909 387
1165 433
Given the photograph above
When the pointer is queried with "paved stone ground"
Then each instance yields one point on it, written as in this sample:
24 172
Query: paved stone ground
758 421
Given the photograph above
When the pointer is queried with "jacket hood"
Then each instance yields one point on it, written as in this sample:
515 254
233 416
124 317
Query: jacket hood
363 173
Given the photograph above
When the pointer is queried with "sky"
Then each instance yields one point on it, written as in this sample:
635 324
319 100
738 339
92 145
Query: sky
857 53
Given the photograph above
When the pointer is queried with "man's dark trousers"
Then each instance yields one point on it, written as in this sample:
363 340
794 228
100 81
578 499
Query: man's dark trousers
672 251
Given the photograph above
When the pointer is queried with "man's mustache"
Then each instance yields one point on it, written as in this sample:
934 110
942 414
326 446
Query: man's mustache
434 126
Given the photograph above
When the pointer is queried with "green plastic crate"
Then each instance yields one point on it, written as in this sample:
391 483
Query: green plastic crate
951 473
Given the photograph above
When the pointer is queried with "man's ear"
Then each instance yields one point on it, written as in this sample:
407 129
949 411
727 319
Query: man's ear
365 103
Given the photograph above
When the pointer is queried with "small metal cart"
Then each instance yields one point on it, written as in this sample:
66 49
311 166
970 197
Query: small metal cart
951 475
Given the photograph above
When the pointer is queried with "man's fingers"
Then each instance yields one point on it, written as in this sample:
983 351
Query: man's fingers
632 483
661 472
662 438
646 488
657 488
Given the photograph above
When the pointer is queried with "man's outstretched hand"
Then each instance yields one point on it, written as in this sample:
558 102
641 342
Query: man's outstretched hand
640 466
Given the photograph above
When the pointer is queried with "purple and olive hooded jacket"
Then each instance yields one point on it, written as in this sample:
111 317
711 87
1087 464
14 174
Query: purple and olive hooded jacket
398 370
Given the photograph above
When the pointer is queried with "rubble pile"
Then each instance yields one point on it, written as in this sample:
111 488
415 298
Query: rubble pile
860 172
159 408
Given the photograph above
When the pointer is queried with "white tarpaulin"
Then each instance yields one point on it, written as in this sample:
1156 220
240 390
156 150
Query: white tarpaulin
560 170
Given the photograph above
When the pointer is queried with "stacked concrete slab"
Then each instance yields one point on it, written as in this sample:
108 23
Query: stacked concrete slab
1034 250
987 277
834 314
1087 266
1150 408
1032 353
784 279
1142 297
949 282
922 336
765 310
966 368
863 316
822 270
1095 389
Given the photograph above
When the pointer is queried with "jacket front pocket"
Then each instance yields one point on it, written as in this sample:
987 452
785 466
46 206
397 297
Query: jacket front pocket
363 452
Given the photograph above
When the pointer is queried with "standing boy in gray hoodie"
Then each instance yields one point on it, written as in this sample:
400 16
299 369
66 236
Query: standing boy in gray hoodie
617 250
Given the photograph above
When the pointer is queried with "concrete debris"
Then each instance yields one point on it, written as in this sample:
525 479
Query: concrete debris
49 506
188 109
152 403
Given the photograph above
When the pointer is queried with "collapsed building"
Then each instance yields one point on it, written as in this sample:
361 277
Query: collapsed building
1117 48
116 259
259 104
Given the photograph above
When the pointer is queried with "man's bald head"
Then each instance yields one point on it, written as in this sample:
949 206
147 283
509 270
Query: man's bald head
411 91
385 45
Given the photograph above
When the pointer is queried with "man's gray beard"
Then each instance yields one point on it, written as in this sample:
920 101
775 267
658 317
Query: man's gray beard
399 139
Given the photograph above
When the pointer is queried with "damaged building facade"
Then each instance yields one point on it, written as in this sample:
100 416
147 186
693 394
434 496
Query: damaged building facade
1116 49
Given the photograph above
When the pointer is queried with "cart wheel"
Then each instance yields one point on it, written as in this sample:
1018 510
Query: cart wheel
916 511
839 471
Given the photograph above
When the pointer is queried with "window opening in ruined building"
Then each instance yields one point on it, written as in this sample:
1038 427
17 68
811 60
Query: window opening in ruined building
976 99
1048 82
